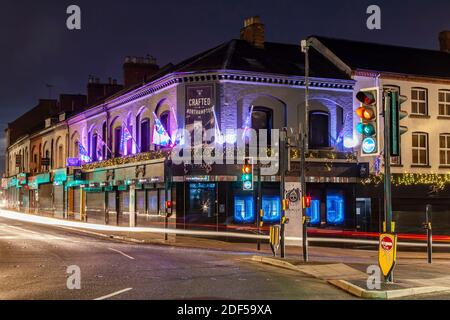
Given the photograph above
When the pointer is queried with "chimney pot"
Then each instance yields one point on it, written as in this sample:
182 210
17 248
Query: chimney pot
253 31
444 40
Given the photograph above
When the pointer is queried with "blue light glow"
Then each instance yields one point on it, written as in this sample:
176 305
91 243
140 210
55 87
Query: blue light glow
335 208
272 210
243 209
314 212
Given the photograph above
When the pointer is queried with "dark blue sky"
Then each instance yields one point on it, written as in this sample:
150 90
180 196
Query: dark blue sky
36 47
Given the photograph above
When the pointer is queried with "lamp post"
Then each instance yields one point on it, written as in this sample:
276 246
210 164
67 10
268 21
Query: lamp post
303 139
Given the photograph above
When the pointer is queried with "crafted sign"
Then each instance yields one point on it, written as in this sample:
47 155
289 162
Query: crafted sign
387 253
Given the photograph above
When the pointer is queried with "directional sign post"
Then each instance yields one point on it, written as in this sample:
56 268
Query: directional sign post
387 254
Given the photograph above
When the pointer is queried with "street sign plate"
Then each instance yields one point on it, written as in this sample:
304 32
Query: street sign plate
387 253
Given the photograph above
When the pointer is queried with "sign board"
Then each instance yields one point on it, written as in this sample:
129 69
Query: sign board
200 108
387 253
73 162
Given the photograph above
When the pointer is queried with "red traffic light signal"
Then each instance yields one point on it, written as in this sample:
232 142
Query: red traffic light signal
366 98
168 204
307 202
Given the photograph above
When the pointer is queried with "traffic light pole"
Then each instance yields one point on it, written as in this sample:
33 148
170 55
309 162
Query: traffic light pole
387 169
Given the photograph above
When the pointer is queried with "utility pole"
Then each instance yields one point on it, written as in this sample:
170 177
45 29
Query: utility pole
282 168
303 139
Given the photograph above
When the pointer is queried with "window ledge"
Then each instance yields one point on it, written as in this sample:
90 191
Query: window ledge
420 166
419 116
443 117
444 167
396 165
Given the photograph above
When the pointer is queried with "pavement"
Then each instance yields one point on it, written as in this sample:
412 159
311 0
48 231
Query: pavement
38 256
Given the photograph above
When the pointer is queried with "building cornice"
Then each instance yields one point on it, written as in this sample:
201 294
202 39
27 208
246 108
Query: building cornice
220 76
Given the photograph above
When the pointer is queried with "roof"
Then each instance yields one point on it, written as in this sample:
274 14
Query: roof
388 58
274 58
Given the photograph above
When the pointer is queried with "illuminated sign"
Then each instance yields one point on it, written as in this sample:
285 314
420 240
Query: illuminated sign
369 145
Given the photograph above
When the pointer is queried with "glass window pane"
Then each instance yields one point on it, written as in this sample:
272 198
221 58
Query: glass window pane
442 141
415 140
441 96
415 157
448 157
442 157
422 141
448 142
423 157
422 95
447 96
414 94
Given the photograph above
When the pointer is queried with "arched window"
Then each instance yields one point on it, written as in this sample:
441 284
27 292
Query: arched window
117 139
94 154
145 135
104 139
60 156
262 119
319 135
76 149
165 121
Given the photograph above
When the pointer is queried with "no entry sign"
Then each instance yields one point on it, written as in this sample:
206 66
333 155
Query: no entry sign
387 243
387 253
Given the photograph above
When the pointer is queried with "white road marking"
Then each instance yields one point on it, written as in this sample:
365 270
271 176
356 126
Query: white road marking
120 252
114 294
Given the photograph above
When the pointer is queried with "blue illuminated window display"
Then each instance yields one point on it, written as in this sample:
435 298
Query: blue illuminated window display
335 208
272 210
243 209
314 212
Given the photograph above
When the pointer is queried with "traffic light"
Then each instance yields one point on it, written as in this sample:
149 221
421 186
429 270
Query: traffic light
247 175
307 202
395 101
368 127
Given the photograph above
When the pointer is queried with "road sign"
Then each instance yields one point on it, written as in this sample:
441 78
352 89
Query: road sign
387 253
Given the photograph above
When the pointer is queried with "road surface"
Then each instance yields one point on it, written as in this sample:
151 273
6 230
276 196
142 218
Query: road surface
34 260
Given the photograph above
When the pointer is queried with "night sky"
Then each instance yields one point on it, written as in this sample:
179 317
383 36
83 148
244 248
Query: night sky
37 48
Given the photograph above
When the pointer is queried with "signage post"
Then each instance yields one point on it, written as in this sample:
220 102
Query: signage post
387 255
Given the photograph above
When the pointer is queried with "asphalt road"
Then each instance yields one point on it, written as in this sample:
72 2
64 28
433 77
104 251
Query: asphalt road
34 260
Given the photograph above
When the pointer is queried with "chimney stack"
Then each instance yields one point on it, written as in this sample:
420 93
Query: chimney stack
253 31
137 69
444 39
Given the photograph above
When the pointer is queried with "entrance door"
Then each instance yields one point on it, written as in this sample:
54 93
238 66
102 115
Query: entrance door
363 213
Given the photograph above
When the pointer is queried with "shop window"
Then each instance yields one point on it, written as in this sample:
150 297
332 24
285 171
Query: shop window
243 209
202 199
335 208
272 210
314 212
152 202
319 124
